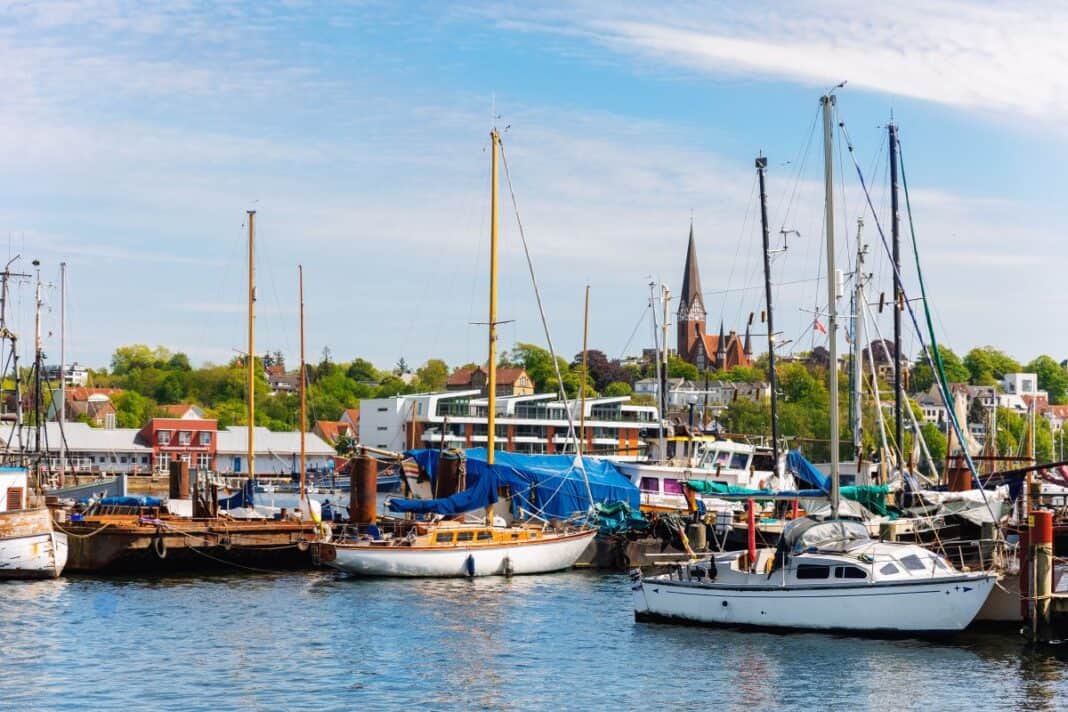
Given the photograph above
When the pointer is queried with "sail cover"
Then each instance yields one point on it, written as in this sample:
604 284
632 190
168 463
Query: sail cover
805 471
551 486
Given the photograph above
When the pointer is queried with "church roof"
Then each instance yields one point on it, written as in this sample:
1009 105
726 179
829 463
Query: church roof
691 280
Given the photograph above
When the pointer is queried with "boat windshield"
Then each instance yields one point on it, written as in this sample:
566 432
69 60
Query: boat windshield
807 533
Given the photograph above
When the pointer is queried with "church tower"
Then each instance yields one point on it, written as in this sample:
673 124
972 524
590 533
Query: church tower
690 319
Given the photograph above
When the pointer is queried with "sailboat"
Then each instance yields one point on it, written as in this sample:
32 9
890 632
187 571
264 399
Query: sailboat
826 573
460 548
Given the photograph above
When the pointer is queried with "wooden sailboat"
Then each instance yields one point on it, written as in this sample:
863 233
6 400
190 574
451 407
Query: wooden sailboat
141 535
825 574
456 549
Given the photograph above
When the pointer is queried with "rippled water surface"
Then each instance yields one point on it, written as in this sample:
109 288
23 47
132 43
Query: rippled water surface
567 641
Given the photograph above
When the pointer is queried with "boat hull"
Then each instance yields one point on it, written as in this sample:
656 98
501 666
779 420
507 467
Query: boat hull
29 547
928 606
533 557
106 548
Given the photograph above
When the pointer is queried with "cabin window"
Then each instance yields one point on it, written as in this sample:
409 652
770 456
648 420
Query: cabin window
811 571
913 563
672 486
849 572
651 485
764 463
739 460
723 458
464 536
443 538
484 535
889 570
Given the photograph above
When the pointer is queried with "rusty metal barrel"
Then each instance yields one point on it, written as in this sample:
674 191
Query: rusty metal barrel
179 479
363 489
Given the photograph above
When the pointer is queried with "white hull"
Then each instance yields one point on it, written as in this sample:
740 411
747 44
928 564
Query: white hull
532 557
930 605
33 556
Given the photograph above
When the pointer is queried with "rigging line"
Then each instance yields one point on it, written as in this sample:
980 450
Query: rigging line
544 322
641 320
801 162
738 244
946 395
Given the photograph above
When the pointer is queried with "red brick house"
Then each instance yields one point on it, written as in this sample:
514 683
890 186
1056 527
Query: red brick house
193 440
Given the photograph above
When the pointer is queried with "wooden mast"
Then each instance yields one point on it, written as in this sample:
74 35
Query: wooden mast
585 370
251 363
303 387
491 379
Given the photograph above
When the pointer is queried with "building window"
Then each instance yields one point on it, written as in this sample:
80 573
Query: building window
163 461
205 438
165 437
109 421
203 461
184 437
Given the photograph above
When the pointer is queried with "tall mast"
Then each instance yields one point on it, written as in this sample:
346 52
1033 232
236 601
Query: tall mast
895 233
832 288
491 380
585 370
303 396
38 353
762 166
858 352
251 344
62 370
659 380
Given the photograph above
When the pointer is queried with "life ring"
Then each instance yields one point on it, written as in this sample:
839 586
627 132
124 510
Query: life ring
159 546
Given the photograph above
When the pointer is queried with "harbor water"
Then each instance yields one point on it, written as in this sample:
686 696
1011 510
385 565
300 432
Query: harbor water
320 640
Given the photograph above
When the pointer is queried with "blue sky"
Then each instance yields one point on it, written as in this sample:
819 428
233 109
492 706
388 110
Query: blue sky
134 136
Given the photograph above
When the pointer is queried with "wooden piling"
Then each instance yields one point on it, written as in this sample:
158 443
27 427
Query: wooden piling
179 479
364 489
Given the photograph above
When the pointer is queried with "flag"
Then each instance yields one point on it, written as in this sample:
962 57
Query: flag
818 326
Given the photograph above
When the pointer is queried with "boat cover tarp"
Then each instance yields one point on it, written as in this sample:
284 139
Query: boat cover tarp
244 498
806 471
551 485
619 518
131 501
710 487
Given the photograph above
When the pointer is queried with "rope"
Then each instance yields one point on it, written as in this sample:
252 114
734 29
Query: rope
71 534
544 322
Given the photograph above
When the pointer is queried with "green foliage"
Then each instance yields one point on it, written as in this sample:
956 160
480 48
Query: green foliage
539 366
677 368
431 376
139 357
618 388
362 370
986 365
936 443
132 410
739 374
923 378
1051 377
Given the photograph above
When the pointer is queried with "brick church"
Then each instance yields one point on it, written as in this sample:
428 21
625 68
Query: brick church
709 352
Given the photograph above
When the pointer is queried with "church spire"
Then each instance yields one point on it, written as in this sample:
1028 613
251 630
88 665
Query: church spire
691 304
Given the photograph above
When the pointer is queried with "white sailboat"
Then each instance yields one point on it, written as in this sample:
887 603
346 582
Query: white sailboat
825 574
456 549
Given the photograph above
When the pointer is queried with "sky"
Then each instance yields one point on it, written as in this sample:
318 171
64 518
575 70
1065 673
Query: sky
135 136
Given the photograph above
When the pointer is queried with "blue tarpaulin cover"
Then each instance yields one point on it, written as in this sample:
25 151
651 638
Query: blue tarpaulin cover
806 471
130 501
551 485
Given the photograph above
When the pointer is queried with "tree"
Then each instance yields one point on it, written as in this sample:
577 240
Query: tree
678 368
402 367
936 443
601 370
987 365
136 357
1052 378
617 388
432 375
922 377
362 370
132 410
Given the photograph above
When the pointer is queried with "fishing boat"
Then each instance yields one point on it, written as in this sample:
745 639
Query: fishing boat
461 548
29 545
826 573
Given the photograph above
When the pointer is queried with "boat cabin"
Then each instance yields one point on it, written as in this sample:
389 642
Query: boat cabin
13 485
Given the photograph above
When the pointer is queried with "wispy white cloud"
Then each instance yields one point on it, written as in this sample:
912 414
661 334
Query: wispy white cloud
985 56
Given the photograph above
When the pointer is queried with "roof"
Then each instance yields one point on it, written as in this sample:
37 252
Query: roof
691 280
80 437
460 377
182 410
333 429
80 393
508 376
234 441
352 415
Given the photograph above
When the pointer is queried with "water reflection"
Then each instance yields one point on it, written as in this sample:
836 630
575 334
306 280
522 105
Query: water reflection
559 641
